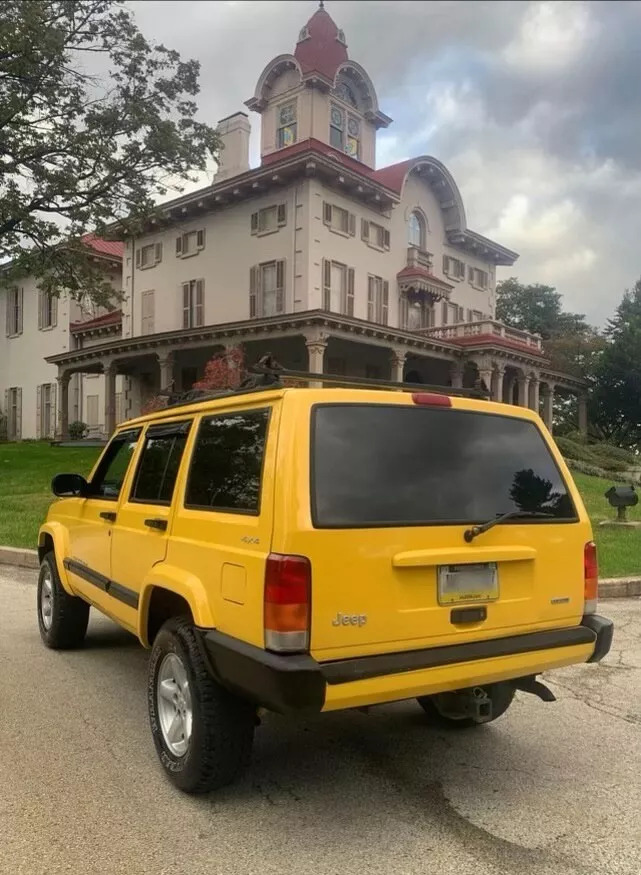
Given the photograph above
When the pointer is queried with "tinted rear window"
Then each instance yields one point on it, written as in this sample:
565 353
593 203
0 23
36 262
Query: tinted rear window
376 465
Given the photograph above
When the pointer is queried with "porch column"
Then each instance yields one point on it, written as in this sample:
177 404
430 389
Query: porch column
497 390
456 375
583 414
548 404
534 394
524 391
509 391
485 376
63 379
316 344
110 397
166 362
397 365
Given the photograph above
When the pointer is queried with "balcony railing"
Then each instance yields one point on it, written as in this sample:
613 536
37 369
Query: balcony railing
484 327
419 258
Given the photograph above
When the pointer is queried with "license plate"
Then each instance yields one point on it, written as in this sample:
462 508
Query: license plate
468 583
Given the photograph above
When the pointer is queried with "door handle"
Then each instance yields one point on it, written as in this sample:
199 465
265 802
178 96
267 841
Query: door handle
161 525
108 515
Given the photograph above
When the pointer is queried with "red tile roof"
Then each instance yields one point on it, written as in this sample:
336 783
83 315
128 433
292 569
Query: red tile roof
321 51
112 318
497 341
393 176
423 272
110 248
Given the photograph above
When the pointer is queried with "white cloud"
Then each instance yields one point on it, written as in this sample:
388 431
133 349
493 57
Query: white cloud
552 35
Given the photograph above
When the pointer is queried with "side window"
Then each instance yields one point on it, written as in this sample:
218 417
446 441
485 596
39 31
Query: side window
110 474
227 462
159 463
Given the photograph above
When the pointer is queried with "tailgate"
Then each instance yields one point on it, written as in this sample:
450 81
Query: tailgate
394 488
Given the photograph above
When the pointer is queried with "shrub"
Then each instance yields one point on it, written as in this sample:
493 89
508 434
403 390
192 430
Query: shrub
608 451
77 430
579 452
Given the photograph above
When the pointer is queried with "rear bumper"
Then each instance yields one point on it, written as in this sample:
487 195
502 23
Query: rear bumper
298 683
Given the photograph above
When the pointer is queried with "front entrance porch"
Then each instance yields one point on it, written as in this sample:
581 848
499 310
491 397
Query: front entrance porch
315 342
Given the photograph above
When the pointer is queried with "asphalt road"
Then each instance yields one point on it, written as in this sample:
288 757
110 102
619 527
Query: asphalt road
549 788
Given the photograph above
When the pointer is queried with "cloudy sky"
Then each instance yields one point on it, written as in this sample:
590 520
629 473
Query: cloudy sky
535 107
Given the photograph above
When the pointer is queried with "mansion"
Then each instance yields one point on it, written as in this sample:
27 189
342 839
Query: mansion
315 255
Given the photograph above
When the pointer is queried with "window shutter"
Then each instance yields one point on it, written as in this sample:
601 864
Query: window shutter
445 264
327 284
327 213
280 286
349 308
199 308
7 413
371 304
254 292
19 410
20 312
469 316
461 270
41 296
352 225
7 299
147 312
281 215
431 317
200 239
403 308
39 413
158 253
364 229
386 238
444 317
470 274
179 245
53 395
138 257
385 302
186 306
254 223
54 311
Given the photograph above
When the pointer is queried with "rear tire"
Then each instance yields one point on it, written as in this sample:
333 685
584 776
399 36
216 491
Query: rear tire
501 695
62 618
203 734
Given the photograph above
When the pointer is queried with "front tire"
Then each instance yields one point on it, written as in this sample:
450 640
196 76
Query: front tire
203 734
500 694
62 618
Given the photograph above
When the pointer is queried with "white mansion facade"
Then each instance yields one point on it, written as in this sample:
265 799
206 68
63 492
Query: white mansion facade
316 256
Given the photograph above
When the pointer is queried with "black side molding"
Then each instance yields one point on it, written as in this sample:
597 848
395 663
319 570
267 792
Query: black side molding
117 590
342 671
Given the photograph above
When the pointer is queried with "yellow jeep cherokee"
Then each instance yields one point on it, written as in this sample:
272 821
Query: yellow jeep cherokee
314 549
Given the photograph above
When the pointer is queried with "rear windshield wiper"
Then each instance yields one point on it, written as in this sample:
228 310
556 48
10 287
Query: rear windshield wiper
470 534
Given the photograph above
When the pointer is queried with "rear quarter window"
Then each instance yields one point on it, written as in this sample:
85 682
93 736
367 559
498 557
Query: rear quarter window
393 465
227 462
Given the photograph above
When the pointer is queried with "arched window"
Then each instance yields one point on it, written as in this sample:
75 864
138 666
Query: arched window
416 230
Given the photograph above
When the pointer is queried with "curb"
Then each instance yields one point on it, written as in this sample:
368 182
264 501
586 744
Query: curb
19 557
609 588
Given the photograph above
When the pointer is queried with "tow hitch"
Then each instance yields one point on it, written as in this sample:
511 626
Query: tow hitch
531 685
472 703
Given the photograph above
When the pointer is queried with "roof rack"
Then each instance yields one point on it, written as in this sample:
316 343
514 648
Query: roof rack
263 377
367 382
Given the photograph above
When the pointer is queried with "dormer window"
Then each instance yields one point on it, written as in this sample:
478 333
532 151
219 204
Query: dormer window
344 131
345 92
286 127
304 34
340 36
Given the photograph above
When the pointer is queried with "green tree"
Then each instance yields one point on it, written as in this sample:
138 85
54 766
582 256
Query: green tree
616 396
536 308
79 150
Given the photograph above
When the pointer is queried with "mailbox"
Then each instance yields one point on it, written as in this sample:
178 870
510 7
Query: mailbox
622 497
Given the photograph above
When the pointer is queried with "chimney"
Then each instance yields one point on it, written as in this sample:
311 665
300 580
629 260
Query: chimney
234 156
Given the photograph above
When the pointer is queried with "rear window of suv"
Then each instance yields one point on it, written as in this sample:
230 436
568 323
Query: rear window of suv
391 465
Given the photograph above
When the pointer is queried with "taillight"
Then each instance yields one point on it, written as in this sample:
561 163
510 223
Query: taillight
431 399
287 603
591 577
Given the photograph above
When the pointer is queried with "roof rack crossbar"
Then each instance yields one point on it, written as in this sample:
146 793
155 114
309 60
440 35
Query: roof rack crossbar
368 382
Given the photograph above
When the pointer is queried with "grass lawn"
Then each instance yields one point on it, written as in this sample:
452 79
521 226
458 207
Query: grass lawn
619 549
26 471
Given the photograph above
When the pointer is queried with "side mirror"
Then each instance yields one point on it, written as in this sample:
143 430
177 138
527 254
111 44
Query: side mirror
69 485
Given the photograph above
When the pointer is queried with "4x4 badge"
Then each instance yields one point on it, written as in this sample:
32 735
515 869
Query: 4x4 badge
349 619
